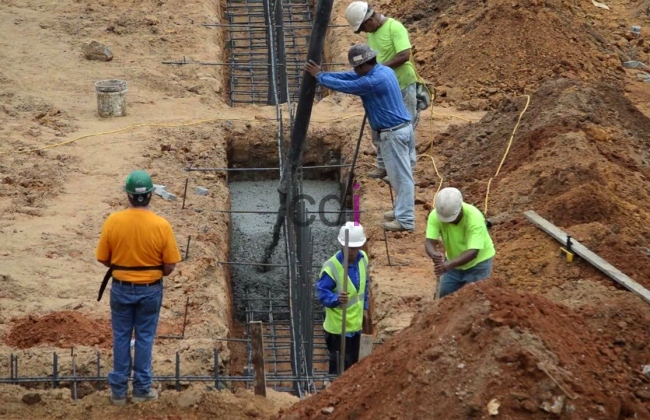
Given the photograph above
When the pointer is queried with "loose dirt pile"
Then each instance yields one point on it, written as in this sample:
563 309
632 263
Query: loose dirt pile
489 342
194 402
474 52
580 158
60 329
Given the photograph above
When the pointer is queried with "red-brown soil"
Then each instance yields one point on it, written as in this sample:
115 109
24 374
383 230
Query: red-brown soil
68 329
476 52
60 329
488 342
579 158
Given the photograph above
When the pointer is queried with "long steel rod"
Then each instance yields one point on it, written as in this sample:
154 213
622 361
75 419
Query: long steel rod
245 66
275 212
263 169
166 378
249 263
223 25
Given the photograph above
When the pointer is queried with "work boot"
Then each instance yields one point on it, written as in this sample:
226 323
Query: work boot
117 400
151 396
389 215
377 173
395 226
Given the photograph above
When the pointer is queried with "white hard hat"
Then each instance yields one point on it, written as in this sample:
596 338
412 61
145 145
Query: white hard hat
357 13
356 237
449 202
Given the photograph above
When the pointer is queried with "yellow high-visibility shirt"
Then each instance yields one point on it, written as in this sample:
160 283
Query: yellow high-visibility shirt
470 233
392 38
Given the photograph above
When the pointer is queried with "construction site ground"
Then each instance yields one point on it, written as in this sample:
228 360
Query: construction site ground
542 338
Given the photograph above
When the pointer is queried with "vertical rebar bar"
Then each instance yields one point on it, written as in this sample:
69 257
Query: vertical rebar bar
386 242
185 193
273 338
74 374
283 89
187 250
187 304
99 369
178 371
216 369
55 370
272 93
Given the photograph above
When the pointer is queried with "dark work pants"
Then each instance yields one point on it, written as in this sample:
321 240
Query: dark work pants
352 345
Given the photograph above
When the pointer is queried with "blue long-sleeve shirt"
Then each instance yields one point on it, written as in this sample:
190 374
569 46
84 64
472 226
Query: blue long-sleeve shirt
379 92
326 286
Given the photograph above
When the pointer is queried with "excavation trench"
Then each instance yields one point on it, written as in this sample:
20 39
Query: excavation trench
255 193
263 294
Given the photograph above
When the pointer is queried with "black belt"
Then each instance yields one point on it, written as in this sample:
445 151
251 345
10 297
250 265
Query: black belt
397 127
109 274
130 283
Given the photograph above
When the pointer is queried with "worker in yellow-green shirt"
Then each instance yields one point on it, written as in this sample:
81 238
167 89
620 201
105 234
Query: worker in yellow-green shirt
390 39
468 248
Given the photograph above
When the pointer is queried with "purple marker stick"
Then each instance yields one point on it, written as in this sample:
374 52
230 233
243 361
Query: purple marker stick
357 216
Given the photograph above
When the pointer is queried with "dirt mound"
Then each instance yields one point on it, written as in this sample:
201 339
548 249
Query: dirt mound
580 158
477 51
489 342
60 329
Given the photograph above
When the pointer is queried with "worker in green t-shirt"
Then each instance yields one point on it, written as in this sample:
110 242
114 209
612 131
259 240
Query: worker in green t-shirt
468 248
390 39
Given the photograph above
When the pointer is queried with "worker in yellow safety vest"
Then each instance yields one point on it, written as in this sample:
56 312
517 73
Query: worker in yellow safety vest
332 297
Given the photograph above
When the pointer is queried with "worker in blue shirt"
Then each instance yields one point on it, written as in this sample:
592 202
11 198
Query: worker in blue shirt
381 96
331 294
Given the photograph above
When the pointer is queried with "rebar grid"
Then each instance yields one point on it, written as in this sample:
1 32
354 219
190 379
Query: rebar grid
255 59
280 379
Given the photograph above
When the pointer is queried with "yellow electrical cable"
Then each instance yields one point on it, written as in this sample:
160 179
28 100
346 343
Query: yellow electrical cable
130 127
487 193
430 148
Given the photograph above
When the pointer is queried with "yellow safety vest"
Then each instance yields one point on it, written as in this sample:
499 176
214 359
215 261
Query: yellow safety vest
354 316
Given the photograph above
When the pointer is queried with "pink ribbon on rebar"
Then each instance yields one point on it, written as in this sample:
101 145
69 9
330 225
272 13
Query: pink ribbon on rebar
357 215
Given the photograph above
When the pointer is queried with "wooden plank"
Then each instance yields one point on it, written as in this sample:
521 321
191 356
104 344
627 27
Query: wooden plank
365 348
257 344
589 256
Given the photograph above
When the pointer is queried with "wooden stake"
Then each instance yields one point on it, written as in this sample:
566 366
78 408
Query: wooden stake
345 306
258 357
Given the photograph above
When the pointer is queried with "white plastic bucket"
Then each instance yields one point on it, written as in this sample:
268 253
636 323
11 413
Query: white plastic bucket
111 98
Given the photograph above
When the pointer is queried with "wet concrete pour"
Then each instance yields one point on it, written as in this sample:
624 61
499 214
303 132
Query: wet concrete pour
251 234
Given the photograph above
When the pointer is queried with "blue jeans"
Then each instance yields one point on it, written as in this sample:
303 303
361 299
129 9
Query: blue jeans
411 103
133 308
455 279
398 148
